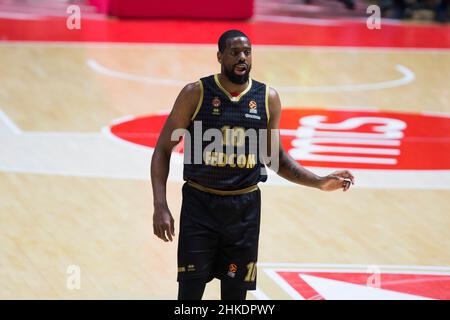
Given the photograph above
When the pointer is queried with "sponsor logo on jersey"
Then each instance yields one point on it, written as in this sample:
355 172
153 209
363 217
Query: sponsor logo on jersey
216 106
216 102
191 267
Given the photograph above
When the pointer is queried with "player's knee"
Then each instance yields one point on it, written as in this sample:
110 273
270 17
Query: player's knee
191 289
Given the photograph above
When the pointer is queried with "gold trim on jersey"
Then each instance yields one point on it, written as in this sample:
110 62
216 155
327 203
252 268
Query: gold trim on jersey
223 192
233 99
199 101
267 103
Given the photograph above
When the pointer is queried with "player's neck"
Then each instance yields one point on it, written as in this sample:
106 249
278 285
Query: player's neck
230 86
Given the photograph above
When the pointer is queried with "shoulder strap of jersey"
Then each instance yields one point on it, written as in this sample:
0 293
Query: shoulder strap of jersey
200 101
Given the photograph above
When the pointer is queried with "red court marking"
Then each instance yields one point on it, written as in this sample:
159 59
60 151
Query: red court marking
425 285
424 145
347 33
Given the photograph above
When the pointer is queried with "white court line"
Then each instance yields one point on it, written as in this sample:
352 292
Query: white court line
123 119
407 77
353 108
259 294
300 20
331 289
283 284
382 271
306 48
321 22
21 16
105 155
271 270
435 114
321 267
94 65
8 123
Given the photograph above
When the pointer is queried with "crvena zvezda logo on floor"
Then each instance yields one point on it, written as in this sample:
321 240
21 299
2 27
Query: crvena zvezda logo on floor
340 138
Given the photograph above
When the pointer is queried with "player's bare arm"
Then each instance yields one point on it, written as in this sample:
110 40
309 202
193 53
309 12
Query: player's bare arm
290 169
179 118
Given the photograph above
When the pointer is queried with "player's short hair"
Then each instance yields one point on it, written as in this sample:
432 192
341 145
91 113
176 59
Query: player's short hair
228 35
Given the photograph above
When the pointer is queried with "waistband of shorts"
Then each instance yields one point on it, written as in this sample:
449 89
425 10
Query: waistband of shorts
223 192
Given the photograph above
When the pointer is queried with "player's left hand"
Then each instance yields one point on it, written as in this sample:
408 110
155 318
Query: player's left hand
337 180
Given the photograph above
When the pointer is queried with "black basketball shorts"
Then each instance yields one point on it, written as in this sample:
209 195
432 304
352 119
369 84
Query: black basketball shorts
219 236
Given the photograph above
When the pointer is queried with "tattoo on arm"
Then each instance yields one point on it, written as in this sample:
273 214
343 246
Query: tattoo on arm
292 171
288 164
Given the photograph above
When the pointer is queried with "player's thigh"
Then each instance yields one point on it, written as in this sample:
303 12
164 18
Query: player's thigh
197 241
238 252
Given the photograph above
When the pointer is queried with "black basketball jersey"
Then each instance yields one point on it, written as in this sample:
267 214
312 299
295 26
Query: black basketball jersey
237 164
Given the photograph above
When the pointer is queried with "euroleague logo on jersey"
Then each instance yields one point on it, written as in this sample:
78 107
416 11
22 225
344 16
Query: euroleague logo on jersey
252 107
340 138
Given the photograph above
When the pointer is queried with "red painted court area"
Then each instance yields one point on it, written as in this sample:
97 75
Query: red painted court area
423 285
334 138
341 33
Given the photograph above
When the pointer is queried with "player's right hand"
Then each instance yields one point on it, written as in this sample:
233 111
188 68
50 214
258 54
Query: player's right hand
163 224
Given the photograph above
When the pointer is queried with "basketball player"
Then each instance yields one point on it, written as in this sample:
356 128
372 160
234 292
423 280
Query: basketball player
220 214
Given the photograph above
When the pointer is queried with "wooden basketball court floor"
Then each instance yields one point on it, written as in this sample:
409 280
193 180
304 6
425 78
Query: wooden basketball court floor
51 220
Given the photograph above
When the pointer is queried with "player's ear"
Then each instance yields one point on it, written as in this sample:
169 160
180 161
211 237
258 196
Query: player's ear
219 56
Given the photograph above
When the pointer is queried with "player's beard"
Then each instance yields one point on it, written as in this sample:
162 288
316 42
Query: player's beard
233 77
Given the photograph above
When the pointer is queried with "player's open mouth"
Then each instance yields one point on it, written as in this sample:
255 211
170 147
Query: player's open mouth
240 69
